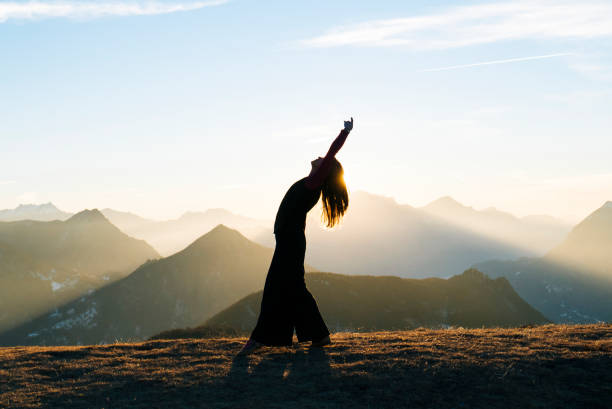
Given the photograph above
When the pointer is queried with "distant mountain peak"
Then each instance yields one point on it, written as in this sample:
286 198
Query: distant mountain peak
222 230
88 216
38 208
446 202
45 206
221 234
474 273
587 246
218 212
29 211
190 214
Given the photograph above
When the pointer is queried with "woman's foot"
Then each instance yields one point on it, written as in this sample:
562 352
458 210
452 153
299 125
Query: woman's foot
321 342
250 346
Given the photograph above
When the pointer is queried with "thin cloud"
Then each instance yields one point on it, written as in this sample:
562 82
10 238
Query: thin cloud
478 24
7 182
34 10
510 60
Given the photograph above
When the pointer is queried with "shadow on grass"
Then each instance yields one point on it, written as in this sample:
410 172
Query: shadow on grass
283 367
340 376
270 379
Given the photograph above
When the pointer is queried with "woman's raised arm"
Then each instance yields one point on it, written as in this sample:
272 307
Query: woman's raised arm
316 179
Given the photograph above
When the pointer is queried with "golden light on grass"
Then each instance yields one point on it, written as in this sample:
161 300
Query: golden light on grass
547 366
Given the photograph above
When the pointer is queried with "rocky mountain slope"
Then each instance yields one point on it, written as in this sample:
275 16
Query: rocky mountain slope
46 264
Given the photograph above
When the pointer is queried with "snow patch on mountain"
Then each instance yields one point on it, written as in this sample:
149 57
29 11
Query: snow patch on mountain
41 276
84 319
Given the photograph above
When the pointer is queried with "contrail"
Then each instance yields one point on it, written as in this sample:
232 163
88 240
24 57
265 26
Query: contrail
456 67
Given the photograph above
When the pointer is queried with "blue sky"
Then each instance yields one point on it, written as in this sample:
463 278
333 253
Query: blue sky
168 106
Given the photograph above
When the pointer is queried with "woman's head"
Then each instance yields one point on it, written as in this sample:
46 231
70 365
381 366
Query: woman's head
334 195
316 163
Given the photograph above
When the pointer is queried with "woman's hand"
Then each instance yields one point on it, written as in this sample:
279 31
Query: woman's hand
348 125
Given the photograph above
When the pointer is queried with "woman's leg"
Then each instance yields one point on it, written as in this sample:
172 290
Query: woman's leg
309 324
275 324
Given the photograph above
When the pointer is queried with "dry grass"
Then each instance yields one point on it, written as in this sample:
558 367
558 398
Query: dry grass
547 366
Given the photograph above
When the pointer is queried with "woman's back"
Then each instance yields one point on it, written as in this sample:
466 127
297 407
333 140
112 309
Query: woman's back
297 202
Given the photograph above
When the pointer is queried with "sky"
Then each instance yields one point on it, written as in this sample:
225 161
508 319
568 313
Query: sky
159 107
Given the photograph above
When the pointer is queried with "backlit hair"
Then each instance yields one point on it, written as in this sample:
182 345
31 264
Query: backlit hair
334 195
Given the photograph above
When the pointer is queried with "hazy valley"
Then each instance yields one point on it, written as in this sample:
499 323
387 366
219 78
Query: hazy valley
573 281
381 237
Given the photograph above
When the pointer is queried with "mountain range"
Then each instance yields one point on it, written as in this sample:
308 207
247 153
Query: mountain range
44 212
573 282
222 267
536 234
377 236
381 237
46 264
184 289
166 236
370 303
170 236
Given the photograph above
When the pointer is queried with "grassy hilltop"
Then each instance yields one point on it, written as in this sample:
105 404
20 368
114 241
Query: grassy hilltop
546 366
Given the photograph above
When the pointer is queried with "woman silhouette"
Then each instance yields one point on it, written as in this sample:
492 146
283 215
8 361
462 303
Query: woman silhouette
286 303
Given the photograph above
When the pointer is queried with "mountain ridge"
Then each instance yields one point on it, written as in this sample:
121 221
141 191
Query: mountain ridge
176 291
380 303
43 212
44 264
220 268
588 245
573 282
379 236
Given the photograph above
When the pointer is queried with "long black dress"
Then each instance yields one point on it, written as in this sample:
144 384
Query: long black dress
286 303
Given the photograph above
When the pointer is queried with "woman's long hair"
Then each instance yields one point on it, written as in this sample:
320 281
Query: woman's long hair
334 195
